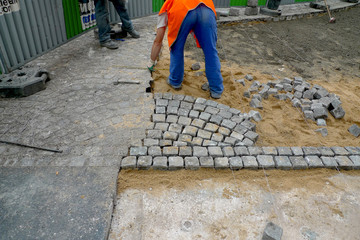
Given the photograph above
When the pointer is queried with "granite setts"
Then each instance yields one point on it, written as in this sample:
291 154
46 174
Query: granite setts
192 133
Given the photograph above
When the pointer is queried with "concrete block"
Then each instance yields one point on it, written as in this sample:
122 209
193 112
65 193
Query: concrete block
192 163
344 162
234 11
175 128
183 112
207 162
309 115
185 151
225 114
314 161
250 162
297 151
247 94
270 151
168 95
272 232
340 151
128 162
190 130
298 162
353 150
241 151
320 122
200 101
356 160
221 162
157 134
154 151
251 11
197 141
284 151
326 151
228 151
144 162
329 162
138 151
241 81
161 126
148 142
205 116
247 142
231 140
194 114
296 103
338 112
236 163
172 119
209 143
255 103
204 134
222 13
254 151
216 119
253 136
237 135
186 105
158 118
160 163
228 124
266 161
320 112
170 151
354 130
179 97
215 151
249 77
199 107
311 151
282 162
224 131
176 163
170 136
200 151
189 99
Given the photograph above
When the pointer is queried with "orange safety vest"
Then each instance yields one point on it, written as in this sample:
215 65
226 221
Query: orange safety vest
177 11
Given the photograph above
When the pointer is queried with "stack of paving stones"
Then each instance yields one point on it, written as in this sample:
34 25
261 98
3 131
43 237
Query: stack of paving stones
193 133
252 8
315 101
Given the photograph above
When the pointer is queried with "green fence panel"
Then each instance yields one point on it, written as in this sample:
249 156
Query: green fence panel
157 4
236 3
78 17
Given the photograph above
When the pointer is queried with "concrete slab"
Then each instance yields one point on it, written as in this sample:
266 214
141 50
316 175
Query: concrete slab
56 202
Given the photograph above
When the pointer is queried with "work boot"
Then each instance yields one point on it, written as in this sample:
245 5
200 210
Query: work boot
133 33
175 87
110 44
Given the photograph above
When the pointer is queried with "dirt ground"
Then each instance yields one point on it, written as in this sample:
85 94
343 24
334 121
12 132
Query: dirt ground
322 53
220 204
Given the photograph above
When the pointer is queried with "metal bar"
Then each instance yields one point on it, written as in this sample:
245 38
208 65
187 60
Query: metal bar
34 147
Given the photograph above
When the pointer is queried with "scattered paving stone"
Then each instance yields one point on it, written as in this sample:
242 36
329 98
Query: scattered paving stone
344 162
272 232
354 130
250 162
249 77
314 161
320 122
247 94
236 163
207 162
176 163
320 112
221 162
241 81
255 115
298 162
128 162
329 162
282 162
255 103
144 162
323 131
192 163
195 66
266 161
338 112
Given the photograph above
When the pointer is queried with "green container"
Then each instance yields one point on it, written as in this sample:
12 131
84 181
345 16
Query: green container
156 5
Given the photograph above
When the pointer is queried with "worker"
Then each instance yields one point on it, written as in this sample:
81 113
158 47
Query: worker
102 20
182 17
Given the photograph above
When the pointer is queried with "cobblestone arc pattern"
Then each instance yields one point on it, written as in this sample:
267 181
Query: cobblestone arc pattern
192 133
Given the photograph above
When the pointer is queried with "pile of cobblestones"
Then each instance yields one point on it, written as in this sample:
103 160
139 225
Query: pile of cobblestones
314 101
195 133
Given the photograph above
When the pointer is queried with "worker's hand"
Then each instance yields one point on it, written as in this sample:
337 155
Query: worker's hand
151 65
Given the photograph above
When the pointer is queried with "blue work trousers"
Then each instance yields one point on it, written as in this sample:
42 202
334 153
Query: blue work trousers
102 18
202 21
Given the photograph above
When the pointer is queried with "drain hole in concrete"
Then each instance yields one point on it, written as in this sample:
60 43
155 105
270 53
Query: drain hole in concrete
10 80
21 74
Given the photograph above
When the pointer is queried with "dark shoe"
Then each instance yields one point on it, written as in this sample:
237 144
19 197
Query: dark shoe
175 87
133 33
110 44
215 95
118 35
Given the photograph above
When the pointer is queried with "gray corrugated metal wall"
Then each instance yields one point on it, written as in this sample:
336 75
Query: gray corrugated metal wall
221 3
36 28
136 8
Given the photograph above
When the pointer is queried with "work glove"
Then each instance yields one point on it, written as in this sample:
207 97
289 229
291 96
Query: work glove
151 65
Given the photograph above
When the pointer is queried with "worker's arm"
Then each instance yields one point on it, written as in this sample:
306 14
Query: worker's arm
156 48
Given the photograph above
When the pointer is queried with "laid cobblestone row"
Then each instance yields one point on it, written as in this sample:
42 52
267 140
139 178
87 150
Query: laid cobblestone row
221 137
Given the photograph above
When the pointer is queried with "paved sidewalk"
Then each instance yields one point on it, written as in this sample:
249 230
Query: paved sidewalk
68 195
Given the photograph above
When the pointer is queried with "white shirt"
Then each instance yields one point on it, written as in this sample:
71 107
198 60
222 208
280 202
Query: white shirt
162 20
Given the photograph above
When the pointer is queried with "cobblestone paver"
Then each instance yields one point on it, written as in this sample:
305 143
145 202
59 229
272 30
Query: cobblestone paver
195 142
